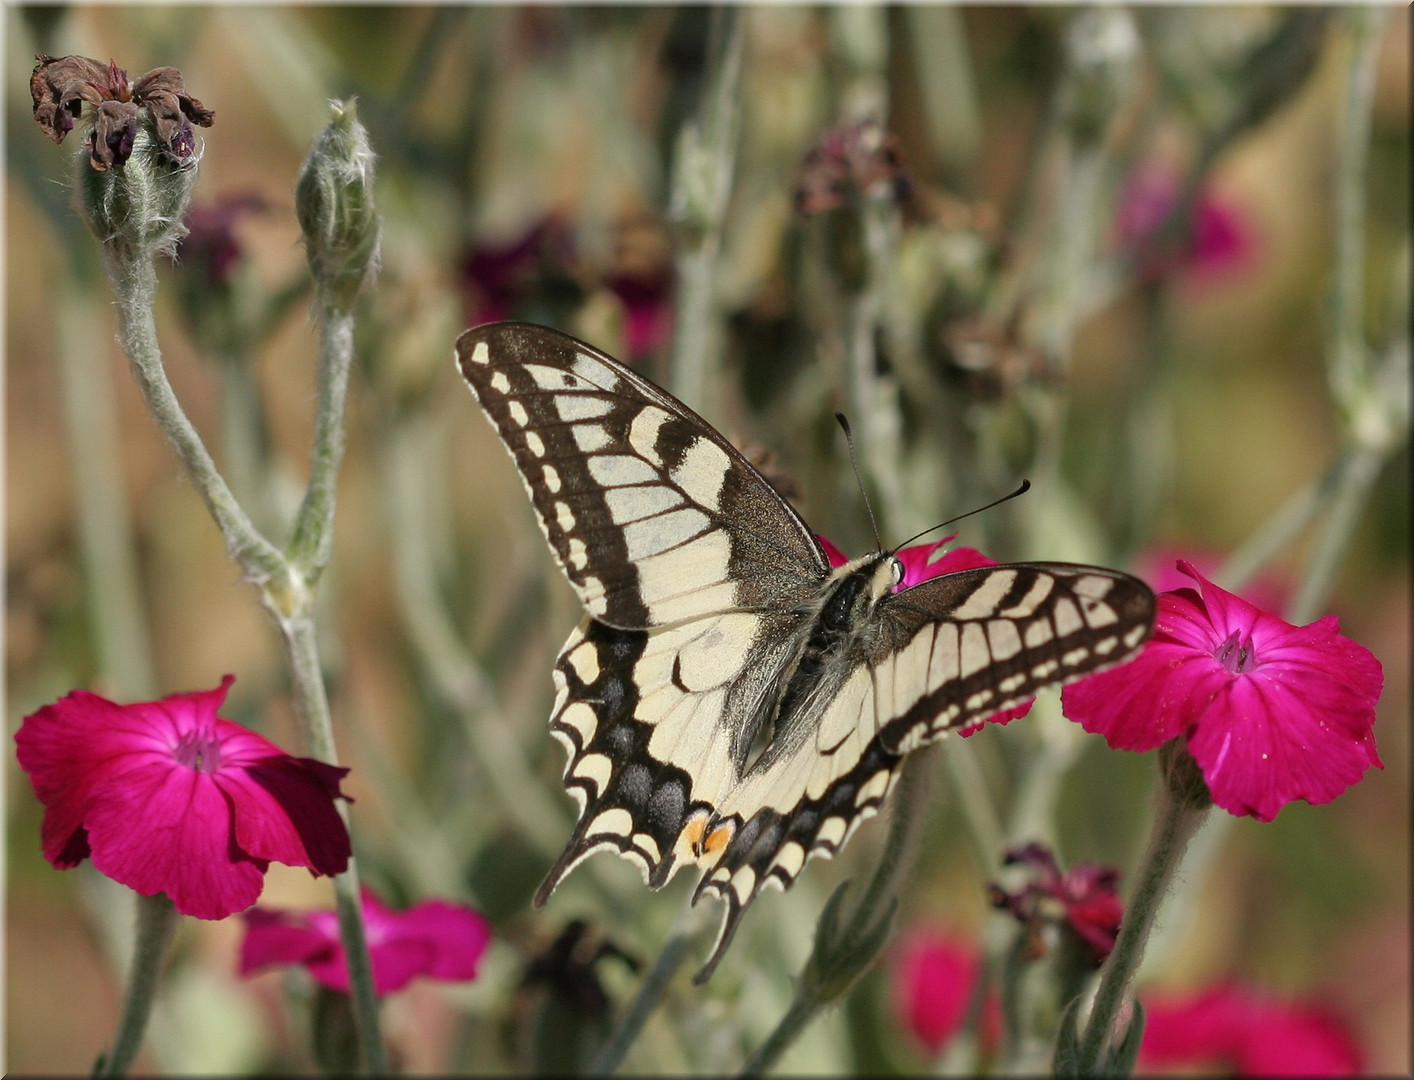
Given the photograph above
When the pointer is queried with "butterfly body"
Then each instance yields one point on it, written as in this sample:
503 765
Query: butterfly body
730 701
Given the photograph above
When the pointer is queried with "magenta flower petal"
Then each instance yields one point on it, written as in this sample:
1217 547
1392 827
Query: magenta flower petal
168 797
437 939
933 980
1271 712
1231 1028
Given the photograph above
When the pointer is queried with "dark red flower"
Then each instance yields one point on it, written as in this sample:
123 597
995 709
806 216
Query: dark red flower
435 938
166 796
210 243
1239 1031
934 978
1271 712
1085 899
501 277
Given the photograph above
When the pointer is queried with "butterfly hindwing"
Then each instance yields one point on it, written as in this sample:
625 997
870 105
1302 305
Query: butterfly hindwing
652 515
730 702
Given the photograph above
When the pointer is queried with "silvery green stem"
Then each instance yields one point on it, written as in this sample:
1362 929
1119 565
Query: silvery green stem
111 583
447 659
1347 356
1177 818
156 923
313 538
652 992
703 170
135 284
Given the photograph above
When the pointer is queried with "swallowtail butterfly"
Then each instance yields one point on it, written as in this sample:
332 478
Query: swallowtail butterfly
729 701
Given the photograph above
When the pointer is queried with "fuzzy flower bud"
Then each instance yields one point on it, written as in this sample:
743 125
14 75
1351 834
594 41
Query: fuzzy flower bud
336 210
137 211
1103 45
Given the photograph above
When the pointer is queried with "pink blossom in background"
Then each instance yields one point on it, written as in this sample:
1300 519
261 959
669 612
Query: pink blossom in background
1271 712
1221 241
1240 1031
934 976
1086 896
1159 567
168 797
435 938
922 562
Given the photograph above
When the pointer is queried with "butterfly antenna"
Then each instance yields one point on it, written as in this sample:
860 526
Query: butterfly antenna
1021 490
854 464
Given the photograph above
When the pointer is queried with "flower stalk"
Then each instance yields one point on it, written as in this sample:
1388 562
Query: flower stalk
1180 812
702 183
156 925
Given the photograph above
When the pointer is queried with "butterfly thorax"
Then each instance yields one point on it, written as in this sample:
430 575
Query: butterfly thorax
835 629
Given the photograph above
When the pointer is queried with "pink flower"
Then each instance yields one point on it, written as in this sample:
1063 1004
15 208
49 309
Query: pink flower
1159 567
1085 897
919 565
1220 240
168 797
934 978
1272 712
435 938
1237 1030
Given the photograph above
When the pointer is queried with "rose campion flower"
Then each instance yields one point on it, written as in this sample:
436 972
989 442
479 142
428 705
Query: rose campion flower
934 977
1221 239
920 563
166 796
1271 712
435 938
1236 1030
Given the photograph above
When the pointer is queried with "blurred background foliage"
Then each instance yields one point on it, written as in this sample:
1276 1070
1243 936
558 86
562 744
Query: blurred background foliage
1165 394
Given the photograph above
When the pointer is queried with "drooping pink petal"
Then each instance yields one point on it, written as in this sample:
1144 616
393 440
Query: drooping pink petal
280 937
155 829
285 812
436 938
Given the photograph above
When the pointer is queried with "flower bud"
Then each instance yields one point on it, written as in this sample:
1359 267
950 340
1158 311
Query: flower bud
336 210
138 211
1103 45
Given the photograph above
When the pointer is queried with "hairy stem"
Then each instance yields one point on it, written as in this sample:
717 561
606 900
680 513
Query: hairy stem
156 924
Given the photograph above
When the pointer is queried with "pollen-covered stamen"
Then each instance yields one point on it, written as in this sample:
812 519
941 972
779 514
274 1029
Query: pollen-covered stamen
1237 654
198 750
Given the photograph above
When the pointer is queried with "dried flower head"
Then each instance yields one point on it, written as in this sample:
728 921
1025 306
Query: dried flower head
855 158
60 86
1082 902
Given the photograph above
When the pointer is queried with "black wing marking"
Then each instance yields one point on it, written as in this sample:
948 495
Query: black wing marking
652 515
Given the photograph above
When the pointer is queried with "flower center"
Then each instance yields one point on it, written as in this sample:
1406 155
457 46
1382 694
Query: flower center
1237 654
198 750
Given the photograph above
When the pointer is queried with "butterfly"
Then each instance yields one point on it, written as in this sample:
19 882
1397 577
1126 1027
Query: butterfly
729 701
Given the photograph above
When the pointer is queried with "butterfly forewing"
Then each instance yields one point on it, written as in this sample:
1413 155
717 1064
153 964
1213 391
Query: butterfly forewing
692 736
652 515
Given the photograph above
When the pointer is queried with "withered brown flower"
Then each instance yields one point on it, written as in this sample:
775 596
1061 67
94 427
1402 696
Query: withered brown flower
855 157
60 86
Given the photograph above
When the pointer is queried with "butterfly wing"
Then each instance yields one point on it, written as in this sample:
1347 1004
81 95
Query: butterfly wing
653 516
702 587
940 656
